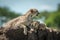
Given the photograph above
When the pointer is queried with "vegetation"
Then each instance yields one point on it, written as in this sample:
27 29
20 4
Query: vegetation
52 19
6 14
5 11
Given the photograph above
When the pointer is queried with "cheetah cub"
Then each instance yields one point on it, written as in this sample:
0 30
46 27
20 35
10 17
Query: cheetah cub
21 21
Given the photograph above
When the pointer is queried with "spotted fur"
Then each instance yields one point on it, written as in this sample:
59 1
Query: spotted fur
22 21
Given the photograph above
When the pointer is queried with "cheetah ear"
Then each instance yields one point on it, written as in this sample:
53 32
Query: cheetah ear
31 10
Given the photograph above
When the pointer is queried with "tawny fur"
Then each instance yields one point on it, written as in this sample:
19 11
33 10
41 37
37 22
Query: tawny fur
41 26
21 21
34 26
37 25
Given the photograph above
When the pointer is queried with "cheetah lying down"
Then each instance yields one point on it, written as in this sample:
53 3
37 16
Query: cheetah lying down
21 21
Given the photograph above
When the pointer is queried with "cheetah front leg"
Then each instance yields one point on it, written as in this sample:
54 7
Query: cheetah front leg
25 29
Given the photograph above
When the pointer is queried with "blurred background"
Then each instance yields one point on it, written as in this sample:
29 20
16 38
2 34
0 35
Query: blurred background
49 10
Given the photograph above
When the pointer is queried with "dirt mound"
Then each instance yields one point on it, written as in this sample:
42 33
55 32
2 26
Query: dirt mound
17 34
